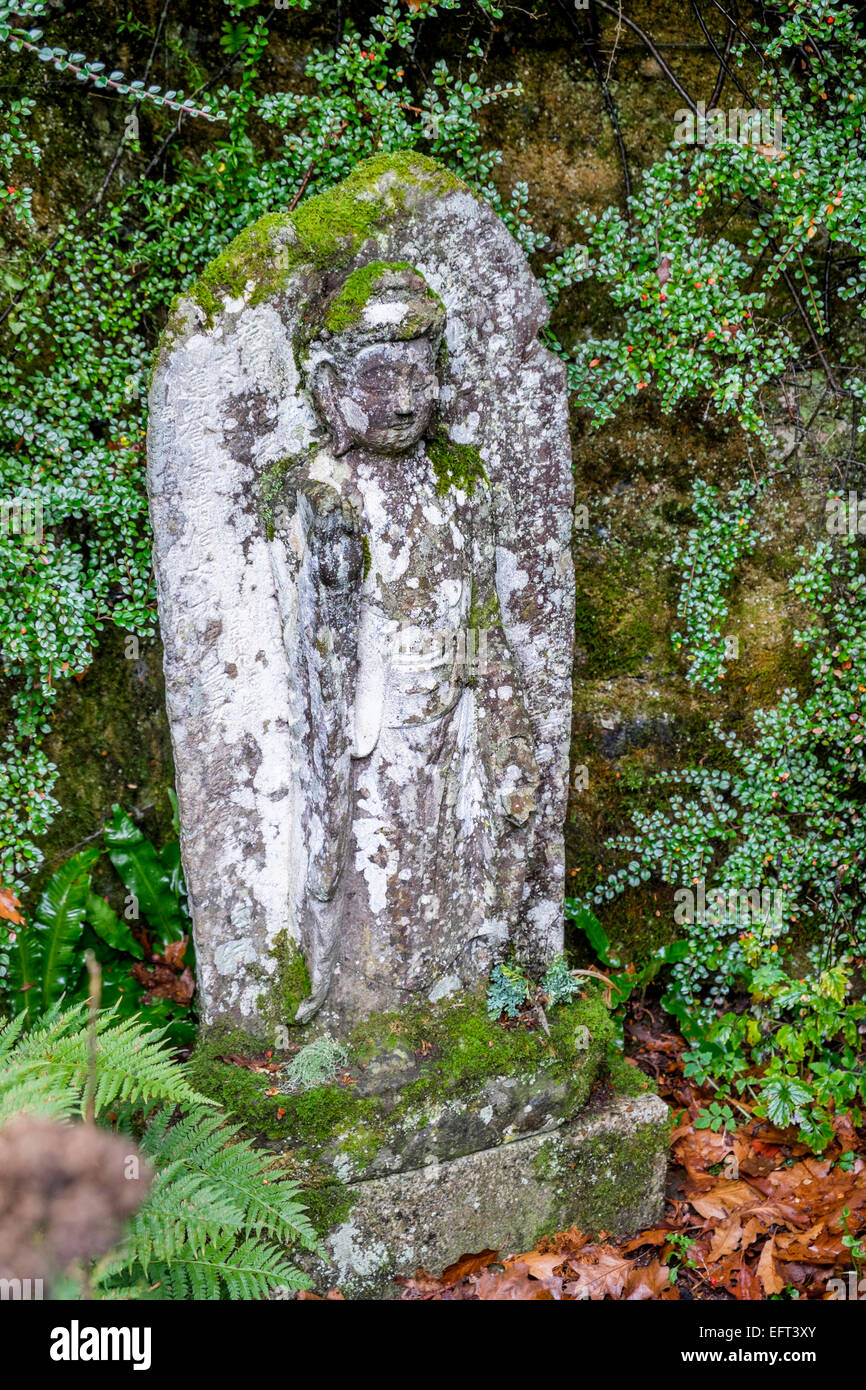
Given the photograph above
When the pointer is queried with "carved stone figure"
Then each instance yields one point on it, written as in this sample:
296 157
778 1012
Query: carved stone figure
361 495
421 772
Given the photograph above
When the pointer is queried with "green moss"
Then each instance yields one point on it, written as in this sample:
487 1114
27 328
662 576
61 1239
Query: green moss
346 307
367 554
240 1090
455 465
484 616
326 230
272 485
329 1203
626 1080
465 1048
605 1178
290 986
448 1052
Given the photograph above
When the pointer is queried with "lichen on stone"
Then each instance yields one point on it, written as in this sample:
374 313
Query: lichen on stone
272 490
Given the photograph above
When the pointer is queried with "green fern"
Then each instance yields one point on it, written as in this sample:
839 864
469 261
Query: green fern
154 883
218 1219
210 1186
44 962
133 1066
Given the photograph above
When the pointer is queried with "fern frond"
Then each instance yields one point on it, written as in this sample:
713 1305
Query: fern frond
217 1219
249 1270
266 1203
133 1065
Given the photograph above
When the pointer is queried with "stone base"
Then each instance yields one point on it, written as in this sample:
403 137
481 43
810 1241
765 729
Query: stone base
601 1171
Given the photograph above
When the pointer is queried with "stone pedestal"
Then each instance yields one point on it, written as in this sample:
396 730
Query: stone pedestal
603 1171
447 1133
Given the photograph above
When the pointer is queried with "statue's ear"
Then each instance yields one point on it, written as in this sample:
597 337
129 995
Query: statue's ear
323 385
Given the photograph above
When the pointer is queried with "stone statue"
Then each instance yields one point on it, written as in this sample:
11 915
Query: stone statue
361 494
421 773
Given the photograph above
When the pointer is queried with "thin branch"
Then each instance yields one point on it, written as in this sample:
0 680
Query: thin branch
650 46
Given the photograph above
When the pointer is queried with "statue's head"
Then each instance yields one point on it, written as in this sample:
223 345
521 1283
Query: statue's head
372 359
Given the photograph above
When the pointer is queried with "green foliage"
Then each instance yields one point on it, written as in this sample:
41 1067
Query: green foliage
29 41
722 238
83 312
215 1221
776 846
147 877
218 1218
43 962
45 1069
47 963
723 536
624 979
510 991
716 1117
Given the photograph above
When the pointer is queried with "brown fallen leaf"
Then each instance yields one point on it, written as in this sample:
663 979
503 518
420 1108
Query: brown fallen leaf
421 1285
469 1264
748 1285
655 1237
767 1271
234 1059
515 1283
540 1266
650 1281
9 905
601 1273
724 1198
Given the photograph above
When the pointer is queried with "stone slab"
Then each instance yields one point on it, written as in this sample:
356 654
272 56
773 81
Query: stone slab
603 1171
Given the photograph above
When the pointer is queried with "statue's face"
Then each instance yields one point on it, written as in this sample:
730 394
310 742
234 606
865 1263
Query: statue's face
383 399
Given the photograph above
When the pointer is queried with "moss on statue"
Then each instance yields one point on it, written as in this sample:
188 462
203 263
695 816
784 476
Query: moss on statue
347 306
289 986
325 231
272 485
606 1178
454 465
406 1071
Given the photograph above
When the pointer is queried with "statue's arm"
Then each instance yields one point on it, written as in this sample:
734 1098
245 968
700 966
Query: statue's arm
329 576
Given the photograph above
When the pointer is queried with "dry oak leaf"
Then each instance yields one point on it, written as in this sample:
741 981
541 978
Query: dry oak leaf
601 1273
469 1264
651 1281
515 1283
767 1272
723 1199
748 1285
8 907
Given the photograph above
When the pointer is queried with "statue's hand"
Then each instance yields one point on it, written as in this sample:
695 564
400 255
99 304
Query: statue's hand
520 781
335 535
